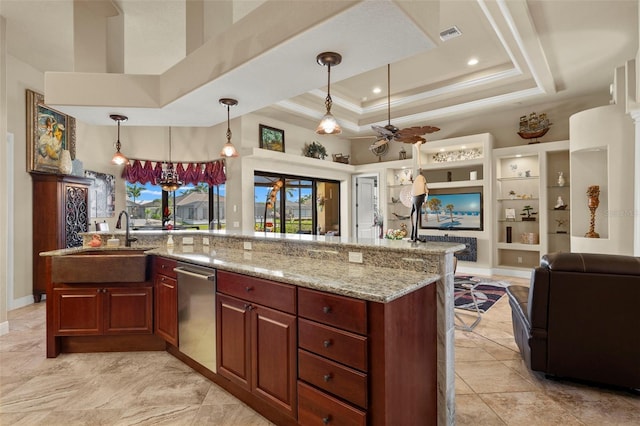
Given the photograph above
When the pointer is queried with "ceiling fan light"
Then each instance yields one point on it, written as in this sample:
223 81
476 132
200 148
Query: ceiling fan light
328 125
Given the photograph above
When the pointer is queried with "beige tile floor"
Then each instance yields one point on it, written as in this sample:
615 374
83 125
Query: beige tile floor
153 388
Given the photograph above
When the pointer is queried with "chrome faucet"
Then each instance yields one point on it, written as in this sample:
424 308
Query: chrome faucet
128 240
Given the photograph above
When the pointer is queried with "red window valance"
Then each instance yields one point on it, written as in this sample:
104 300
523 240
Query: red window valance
147 171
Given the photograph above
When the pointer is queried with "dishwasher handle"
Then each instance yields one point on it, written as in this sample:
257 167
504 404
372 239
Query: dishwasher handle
182 270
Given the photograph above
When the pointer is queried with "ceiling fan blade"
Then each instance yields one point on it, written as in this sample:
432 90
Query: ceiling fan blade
379 142
410 139
383 131
417 130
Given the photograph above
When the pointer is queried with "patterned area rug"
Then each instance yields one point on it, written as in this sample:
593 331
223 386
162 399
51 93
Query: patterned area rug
486 291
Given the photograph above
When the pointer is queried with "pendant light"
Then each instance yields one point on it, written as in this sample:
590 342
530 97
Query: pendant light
228 150
328 125
169 181
119 158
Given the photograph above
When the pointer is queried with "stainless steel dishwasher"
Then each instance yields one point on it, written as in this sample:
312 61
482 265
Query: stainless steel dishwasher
197 313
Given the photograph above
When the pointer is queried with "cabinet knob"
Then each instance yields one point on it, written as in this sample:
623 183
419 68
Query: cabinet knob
326 420
326 343
247 307
326 309
248 289
327 377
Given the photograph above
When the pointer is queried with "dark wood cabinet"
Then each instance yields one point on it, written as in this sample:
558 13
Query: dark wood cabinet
166 300
257 338
60 213
81 310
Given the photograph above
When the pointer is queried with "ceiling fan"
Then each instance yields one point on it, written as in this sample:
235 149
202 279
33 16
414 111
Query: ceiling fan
391 132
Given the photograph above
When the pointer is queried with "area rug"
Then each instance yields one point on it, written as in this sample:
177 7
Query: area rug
486 291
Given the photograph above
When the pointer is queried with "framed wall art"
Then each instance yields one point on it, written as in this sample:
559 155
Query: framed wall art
49 133
271 138
102 194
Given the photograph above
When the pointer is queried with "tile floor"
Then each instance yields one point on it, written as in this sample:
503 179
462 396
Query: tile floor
151 388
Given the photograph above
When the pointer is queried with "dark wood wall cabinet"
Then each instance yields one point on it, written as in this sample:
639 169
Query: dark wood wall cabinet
60 212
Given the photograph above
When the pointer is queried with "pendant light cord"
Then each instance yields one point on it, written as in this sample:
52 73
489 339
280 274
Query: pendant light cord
389 94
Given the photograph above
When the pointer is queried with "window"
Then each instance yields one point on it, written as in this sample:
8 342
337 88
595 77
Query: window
294 204
190 207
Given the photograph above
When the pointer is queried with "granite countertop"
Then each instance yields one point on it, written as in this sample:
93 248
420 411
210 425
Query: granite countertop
372 283
366 282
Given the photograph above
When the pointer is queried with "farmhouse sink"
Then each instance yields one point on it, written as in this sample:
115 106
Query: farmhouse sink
100 266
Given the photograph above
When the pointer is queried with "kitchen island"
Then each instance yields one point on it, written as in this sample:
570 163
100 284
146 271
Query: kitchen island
407 326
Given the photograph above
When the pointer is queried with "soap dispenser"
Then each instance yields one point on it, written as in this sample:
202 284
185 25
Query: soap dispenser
170 241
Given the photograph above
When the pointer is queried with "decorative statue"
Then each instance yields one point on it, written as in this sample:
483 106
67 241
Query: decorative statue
593 194
419 192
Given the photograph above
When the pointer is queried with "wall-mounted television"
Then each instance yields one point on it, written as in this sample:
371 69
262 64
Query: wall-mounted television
453 209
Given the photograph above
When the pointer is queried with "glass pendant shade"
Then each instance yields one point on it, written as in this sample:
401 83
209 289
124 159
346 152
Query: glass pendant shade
228 150
169 180
328 125
119 158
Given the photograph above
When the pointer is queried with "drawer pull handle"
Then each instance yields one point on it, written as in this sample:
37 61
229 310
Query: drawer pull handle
326 420
326 309
248 289
326 343
327 377
247 307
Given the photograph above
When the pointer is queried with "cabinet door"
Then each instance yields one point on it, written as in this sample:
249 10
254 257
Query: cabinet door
128 310
233 355
273 348
166 308
77 311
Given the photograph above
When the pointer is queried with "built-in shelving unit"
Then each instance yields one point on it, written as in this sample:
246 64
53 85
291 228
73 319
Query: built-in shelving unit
526 193
459 165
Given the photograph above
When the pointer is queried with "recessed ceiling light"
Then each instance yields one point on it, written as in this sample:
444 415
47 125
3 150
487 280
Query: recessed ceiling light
463 147
441 149
518 155
376 90
472 61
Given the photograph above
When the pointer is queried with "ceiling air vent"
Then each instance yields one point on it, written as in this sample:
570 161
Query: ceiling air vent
450 33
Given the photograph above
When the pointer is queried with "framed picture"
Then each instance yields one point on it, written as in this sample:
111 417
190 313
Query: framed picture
271 138
510 215
49 132
102 194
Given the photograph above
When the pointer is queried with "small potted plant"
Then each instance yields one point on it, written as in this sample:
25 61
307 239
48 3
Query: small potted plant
314 150
528 214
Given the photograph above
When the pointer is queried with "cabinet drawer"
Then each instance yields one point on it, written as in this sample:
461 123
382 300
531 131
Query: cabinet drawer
342 312
165 266
318 408
338 345
268 293
335 378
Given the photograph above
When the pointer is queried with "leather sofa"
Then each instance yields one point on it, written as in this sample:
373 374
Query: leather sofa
580 318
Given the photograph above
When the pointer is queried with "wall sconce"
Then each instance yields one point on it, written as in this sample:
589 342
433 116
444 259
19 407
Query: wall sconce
169 181
228 150
328 125
119 158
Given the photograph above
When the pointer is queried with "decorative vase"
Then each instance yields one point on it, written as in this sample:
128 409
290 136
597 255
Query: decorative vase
66 166
593 202
561 180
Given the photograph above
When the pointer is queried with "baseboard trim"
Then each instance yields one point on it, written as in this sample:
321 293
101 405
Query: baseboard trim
23 301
